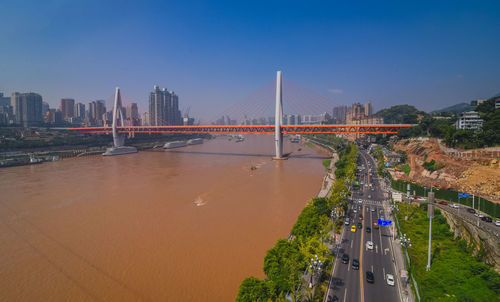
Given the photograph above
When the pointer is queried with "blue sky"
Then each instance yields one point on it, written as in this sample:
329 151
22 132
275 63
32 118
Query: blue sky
214 53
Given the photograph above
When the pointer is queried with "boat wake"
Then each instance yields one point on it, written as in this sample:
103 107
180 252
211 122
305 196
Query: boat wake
199 201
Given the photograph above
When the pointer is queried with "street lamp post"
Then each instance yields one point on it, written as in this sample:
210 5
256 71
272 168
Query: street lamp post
314 265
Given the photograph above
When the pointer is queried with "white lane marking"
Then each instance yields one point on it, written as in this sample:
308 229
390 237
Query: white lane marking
376 249
351 243
372 268
348 266
380 233
345 293
383 270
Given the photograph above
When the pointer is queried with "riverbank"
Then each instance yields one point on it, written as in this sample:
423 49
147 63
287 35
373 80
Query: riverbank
50 153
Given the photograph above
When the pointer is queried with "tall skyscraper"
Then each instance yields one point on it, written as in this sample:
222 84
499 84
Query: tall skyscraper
45 108
368 109
133 114
80 110
67 108
340 113
27 108
145 119
96 111
164 108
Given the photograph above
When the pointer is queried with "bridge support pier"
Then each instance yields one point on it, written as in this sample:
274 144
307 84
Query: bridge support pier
278 119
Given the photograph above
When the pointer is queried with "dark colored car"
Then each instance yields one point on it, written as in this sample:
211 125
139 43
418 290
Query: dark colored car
355 264
369 277
368 230
472 211
443 203
483 218
345 258
360 226
488 219
360 216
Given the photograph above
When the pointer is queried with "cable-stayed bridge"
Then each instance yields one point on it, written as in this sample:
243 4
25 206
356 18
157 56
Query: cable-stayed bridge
118 129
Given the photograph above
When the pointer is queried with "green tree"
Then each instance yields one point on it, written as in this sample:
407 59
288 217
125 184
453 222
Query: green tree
253 289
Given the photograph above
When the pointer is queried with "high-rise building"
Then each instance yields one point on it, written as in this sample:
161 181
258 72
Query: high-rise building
27 108
6 113
145 119
4 101
96 111
133 115
45 108
67 108
164 108
368 109
340 114
80 110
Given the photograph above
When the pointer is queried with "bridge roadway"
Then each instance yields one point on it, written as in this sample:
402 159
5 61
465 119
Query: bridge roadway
351 285
335 129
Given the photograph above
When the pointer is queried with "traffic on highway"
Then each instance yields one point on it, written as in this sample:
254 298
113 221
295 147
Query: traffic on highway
365 267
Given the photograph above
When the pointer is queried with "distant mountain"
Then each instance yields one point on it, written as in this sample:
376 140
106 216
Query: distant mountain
458 108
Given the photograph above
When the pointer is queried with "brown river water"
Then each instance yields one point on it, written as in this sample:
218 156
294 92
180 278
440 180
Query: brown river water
187 224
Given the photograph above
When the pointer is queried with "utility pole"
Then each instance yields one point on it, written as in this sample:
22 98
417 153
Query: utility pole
408 198
430 213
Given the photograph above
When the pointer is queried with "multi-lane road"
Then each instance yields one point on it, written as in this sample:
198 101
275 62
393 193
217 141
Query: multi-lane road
348 284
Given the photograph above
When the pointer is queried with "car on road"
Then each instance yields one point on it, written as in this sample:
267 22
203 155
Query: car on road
355 210
390 279
375 225
488 219
443 203
369 196
369 245
360 201
359 225
361 216
497 223
347 221
373 210
368 230
454 205
472 211
355 264
353 228
345 258
369 277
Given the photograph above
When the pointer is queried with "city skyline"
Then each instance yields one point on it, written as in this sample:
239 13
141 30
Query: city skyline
217 54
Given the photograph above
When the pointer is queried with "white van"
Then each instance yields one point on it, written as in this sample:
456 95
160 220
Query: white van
347 221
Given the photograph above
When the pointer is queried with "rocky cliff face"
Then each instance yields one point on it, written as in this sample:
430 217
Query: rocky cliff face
477 237
479 177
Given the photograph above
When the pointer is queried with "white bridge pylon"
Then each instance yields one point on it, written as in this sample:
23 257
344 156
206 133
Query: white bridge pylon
278 118
118 139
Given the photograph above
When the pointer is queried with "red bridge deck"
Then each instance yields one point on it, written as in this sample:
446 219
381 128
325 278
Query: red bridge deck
345 129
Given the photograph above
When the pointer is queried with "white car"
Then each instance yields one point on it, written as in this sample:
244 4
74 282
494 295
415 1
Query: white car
373 209
454 205
354 210
390 279
497 223
347 221
360 201
369 245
